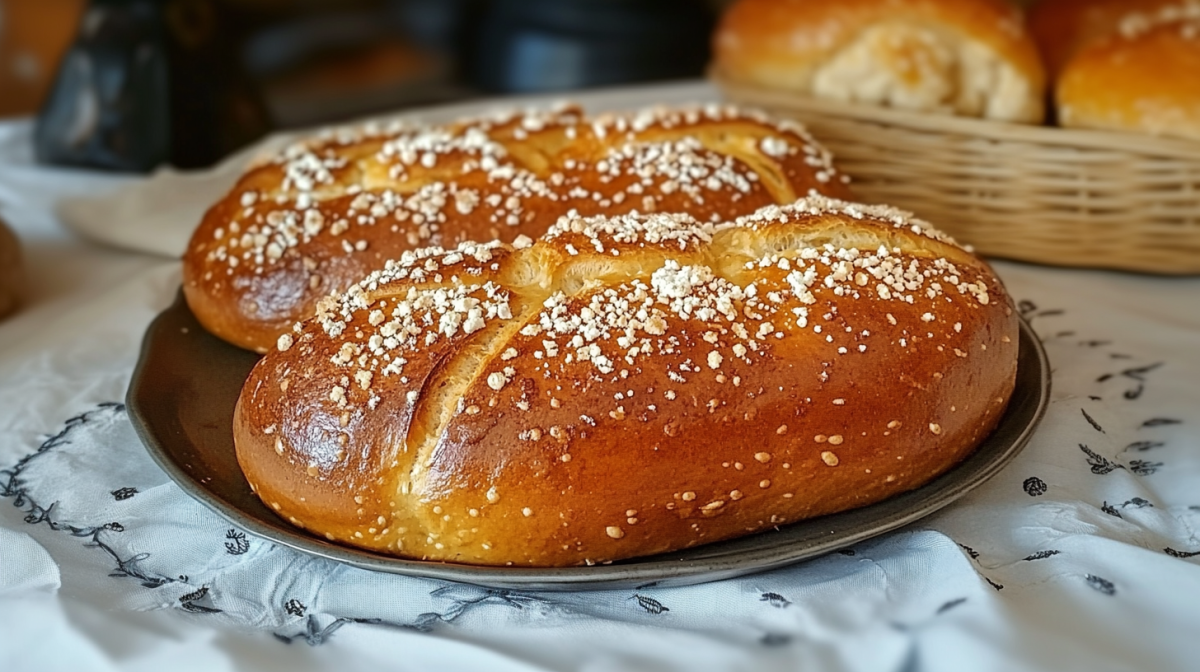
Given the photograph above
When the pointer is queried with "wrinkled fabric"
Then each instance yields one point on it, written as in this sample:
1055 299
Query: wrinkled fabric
1081 554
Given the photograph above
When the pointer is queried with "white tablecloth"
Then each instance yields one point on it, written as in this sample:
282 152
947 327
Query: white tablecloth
1082 554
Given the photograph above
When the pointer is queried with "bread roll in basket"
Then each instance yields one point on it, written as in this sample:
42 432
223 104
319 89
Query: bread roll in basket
630 385
1124 65
972 58
325 212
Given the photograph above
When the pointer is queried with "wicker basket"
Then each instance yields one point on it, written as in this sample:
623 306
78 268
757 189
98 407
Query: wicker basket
1048 195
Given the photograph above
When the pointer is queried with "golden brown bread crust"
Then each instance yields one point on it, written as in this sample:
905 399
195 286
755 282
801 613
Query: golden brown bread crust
11 275
1141 75
325 213
968 57
1062 28
629 386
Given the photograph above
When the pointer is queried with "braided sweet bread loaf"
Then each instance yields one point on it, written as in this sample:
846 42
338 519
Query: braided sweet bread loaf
324 213
630 385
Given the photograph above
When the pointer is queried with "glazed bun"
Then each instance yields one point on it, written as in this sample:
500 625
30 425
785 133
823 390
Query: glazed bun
1062 28
11 275
325 212
630 385
1144 76
967 57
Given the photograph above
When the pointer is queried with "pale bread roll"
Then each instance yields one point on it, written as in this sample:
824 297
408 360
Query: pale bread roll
967 57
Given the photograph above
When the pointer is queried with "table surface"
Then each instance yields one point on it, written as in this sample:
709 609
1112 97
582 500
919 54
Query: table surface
1082 554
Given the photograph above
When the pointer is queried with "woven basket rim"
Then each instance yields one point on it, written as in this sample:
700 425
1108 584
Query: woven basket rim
988 129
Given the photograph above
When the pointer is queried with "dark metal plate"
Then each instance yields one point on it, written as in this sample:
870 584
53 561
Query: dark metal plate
181 402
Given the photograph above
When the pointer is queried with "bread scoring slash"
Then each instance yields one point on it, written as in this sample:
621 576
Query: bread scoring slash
630 385
325 212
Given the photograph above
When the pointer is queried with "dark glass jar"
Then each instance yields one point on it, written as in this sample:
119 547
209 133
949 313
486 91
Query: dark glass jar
148 82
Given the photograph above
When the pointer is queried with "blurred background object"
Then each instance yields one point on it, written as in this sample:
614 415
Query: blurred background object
147 82
130 84
550 45
322 61
33 36
11 274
